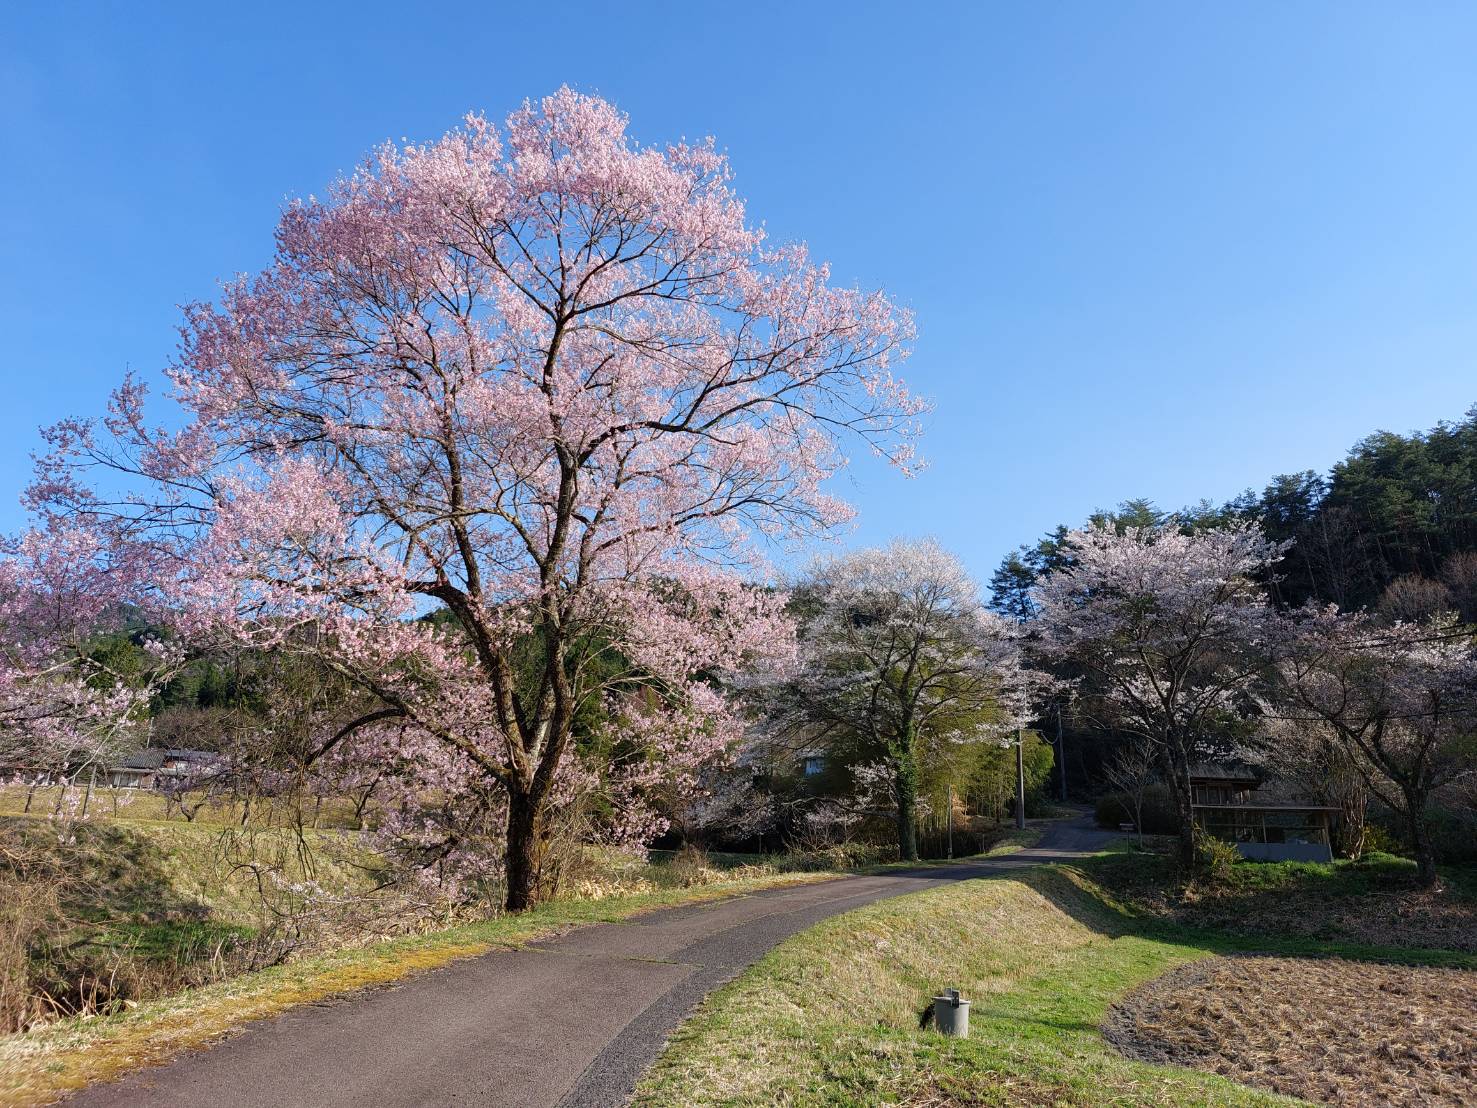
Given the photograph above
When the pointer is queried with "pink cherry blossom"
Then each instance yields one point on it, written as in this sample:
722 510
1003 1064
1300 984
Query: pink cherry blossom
541 375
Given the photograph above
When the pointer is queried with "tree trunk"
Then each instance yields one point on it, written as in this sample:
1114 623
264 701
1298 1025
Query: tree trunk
905 786
1184 799
521 858
1420 839
1061 753
1020 782
1349 828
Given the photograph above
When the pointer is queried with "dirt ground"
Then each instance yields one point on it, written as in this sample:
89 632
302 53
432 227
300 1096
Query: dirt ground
1401 917
1326 1029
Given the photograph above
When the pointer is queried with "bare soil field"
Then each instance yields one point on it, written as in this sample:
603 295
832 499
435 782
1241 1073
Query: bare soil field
1374 902
1325 1029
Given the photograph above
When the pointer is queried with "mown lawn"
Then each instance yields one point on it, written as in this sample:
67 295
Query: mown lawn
831 1017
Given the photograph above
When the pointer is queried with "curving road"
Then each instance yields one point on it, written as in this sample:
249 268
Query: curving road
572 1021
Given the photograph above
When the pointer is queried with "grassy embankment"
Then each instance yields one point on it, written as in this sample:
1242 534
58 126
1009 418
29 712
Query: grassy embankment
161 891
832 1015
40 1064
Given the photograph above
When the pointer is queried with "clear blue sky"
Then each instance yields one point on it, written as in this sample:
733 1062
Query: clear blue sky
1157 250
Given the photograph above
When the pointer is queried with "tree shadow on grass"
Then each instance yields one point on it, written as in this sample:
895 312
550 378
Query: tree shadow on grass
1302 911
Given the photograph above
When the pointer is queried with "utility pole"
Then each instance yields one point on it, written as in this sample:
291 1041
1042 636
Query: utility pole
949 815
1020 781
1061 752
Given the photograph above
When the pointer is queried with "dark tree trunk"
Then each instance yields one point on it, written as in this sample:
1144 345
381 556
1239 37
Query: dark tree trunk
521 858
1020 782
1420 839
1349 828
1061 753
1184 798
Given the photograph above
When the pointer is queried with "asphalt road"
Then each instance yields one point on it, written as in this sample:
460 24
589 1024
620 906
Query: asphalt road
573 1021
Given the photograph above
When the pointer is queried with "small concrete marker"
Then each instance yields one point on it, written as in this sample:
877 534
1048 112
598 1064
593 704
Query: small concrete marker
951 1014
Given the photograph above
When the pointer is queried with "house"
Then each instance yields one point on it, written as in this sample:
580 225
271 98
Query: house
1263 829
1221 784
158 768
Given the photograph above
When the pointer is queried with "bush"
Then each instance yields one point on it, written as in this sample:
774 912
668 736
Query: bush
1214 858
1379 839
851 855
1160 815
690 866
1454 835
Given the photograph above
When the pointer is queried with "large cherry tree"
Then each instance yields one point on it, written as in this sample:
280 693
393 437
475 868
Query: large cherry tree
1168 626
542 376
1398 701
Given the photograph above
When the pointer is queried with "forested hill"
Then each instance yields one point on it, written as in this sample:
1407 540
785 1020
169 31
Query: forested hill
1392 526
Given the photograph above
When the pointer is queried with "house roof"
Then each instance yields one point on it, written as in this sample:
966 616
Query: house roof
1287 807
1217 771
154 757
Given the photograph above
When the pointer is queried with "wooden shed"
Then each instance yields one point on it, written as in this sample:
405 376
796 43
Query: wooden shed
1270 831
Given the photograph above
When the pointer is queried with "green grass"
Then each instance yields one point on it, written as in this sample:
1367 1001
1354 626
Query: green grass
831 1016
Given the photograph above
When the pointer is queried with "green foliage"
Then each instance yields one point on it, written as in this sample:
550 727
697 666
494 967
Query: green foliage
1214 858
1397 505
1453 833
984 774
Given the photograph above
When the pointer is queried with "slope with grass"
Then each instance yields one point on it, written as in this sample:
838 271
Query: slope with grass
38 1066
464 1032
832 1016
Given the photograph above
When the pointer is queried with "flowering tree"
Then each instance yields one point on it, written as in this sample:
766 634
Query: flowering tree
899 655
1400 701
542 376
1168 626
63 707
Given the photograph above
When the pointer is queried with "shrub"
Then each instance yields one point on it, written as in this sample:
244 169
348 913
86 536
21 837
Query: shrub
1160 815
852 855
690 866
1379 839
1454 835
1214 858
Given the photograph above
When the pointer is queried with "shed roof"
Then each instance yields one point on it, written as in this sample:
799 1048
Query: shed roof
1218 771
1288 807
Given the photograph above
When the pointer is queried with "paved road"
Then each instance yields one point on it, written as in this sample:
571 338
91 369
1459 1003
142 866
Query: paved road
573 1021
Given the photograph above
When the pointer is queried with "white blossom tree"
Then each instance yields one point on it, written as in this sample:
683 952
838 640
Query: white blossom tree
1168 626
898 654
1401 702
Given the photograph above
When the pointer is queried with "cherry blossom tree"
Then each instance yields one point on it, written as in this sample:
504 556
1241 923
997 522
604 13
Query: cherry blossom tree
899 655
542 376
64 708
1168 627
1401 702
1309 755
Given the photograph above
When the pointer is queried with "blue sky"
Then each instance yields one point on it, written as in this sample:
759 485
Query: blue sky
1155 250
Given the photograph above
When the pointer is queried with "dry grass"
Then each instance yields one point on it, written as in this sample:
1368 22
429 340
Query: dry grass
1329 1030
146 805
